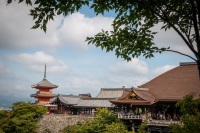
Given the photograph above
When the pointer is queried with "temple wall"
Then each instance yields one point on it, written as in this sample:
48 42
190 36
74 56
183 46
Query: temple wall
55 122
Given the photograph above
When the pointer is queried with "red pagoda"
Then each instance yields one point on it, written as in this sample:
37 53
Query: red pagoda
44 95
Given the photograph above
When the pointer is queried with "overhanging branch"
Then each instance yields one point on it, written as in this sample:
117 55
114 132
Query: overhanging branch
169 50
164 17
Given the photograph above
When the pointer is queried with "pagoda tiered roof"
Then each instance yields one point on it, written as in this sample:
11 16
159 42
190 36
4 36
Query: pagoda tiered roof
44 83
43 95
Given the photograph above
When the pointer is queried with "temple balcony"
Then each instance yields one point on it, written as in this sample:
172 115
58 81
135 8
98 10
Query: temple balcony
44 92
129 116
40 95
153 122
42 102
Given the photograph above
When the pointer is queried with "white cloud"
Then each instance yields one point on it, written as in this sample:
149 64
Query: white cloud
161 70
15 28
70 31
84 83
20 88
120 81
15 32
79 84
3 69
135 67
36 58
36 61
132 73
170 39
77 27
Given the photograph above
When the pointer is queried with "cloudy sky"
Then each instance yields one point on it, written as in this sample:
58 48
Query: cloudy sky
71 64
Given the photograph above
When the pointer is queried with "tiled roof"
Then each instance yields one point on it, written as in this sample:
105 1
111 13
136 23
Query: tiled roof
131 101
111 92
67 99
43 95
88 95
124 95
94 102
144 97
44 83
175 83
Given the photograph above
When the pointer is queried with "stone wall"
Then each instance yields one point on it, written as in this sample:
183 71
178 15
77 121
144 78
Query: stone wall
53 123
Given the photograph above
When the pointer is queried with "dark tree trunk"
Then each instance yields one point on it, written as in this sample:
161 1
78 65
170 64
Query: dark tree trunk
198 64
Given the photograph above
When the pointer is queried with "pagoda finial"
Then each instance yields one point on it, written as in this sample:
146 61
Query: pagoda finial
45 72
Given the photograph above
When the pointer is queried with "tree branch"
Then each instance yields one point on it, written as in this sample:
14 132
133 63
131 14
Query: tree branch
196 28
165 18
169 50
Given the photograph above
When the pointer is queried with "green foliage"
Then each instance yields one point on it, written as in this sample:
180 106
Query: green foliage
3 118
45 10
143 128
105 115
104 122
190 118
116 127
22 119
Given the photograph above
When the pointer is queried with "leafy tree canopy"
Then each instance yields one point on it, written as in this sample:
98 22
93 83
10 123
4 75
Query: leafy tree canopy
131 35
22 119
105 121
190 119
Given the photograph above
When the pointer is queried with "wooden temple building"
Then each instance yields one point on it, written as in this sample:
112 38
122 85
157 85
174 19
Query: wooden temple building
44 93
66 103
84 104
153 101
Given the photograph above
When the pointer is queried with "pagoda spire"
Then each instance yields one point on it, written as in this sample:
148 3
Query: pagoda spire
45 71
44 95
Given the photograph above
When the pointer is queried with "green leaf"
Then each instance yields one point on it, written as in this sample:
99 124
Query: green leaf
59 12
36 26
20 1
9 1
37 2
28 2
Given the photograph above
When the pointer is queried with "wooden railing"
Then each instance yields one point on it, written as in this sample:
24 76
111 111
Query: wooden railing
44 92
128 116
162 122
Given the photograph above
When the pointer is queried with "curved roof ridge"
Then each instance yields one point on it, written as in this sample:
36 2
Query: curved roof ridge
70 95
110 93
94 103
62 99
125 94
69 100
44 83
175 83
108 89
140 86
145 95
96 98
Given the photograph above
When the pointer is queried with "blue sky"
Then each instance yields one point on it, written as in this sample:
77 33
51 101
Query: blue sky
71 64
